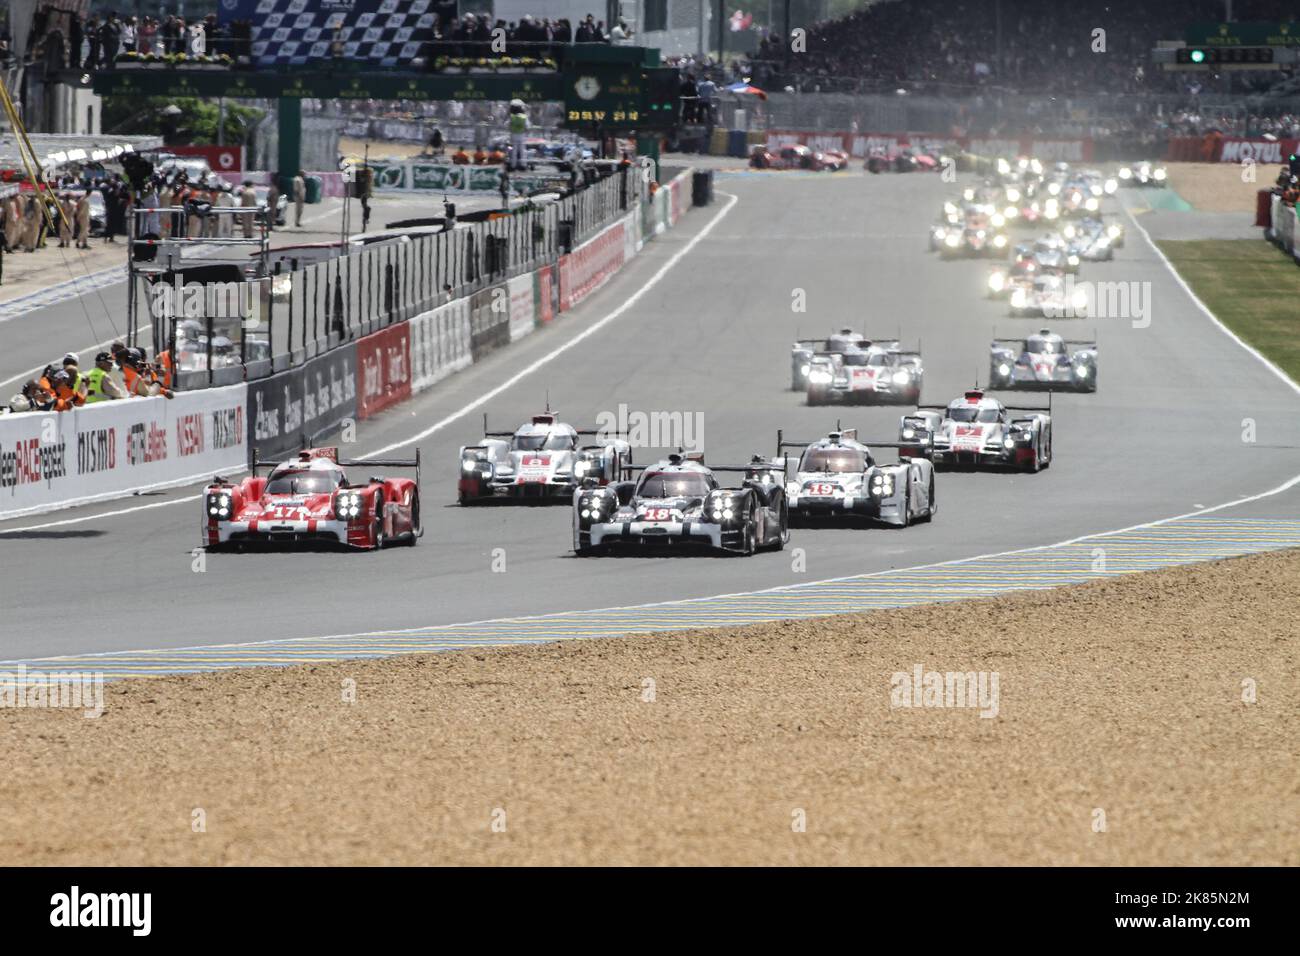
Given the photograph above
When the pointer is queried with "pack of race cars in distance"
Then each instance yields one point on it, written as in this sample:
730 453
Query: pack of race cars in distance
795 156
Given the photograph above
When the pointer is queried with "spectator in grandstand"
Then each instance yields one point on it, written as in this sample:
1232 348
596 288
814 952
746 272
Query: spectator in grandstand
110 39
460 157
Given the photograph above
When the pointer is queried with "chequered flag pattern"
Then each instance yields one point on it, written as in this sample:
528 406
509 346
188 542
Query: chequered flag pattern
379 32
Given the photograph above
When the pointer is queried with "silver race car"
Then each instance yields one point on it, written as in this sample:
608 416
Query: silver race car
838 477
844 342
1043 361
978 431
542 460
1048 296
882 373
1143 174
678 504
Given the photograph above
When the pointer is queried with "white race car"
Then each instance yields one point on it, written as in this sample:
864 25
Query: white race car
978 431
541 460
838 477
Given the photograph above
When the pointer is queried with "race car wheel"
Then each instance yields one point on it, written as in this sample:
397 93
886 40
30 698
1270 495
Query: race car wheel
1036 462
782 527
1047 455
929 504
379 539
415 520
907 504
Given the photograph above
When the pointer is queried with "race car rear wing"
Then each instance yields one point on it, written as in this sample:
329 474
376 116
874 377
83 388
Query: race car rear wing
1033 408
255 463
923 447
605 432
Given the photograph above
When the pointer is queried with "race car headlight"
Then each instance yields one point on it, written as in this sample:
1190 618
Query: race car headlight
1111 186
820 377
804 370
901 378
1081 371
1092 205
347 505
1103 242
219 505
1126 173
1000 241
1053 189
1095 189
1068 232
1018 298
1004 369
1003 167
968 195
882 486
949 208
1008 442
1079 300
1114 230
997 281
1013 195
580 467
1159 174
469 465
1010 213
1073 260
952 242
909 434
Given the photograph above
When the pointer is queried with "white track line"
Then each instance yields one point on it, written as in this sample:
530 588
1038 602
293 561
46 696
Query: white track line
476 403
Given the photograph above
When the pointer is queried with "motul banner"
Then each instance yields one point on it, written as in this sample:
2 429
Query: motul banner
52 460
1274 152
383 369
860 144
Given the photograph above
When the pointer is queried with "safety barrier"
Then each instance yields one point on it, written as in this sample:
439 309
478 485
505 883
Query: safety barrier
109 449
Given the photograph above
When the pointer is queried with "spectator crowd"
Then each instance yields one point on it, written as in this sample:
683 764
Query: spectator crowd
118 374
1048 48
64 39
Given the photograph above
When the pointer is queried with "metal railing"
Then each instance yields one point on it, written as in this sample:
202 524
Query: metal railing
313 298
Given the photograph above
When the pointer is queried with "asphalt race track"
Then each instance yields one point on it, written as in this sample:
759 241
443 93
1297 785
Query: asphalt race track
1162 436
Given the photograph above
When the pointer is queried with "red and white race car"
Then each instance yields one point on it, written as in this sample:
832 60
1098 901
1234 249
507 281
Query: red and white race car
795 156
309 499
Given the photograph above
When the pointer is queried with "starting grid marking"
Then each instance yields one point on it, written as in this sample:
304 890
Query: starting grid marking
1179 542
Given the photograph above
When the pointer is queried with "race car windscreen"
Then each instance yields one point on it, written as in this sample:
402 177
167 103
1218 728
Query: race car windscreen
971 413
674 484
303 483
837 460
1042 346
551 442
